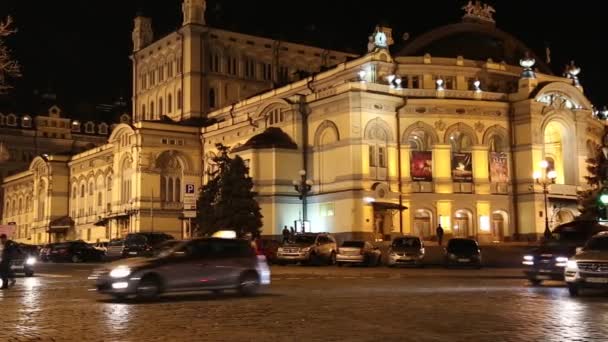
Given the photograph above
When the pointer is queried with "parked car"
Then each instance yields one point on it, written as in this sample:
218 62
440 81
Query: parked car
406 250
141 244
115 248
462 252
268 248
589 267
358 252
548 261
45 252
309 248
202 264
74 251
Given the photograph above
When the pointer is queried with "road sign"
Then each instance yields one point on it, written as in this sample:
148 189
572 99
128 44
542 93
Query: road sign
189 196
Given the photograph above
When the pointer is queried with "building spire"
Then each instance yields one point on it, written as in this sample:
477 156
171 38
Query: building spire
194 12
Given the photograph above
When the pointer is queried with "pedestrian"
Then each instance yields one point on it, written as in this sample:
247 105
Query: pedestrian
286 234
439 234
293 232
9 250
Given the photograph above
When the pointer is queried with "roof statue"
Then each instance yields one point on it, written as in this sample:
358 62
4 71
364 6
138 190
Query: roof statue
479 11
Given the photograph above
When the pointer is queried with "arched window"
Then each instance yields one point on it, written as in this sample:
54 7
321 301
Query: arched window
169 103
82 190
11 120
14 206
378 135
26 121
143 112
211 98
170 178
151 110
179 99
275 116
178 187
74 191
41 201
163 188
126 172
170 189
99 199
20 206
461 142
89 127
160 106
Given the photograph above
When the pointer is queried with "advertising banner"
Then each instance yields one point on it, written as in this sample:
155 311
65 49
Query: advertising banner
421 166
499 168
462 167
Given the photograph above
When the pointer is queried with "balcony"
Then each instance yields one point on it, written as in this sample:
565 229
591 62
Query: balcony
563 190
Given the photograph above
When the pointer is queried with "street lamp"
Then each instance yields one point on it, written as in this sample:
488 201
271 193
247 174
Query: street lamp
545 178
303 187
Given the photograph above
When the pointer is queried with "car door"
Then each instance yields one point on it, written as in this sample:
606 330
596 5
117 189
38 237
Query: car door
182 268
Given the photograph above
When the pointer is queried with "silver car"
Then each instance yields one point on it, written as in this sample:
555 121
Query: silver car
589 267
406 250
308 248
358 252
202 264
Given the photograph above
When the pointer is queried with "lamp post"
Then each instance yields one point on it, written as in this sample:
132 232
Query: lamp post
545 178
303 187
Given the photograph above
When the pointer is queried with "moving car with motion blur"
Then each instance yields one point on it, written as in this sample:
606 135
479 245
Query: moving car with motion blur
406 250
212 264
589 267
309 248
25 260
548 261
358 252
462 252
74 251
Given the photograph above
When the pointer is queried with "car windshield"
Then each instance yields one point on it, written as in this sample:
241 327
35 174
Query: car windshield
304 239
135 239
567 237
462 245
357 244
408 242
116 243
597 244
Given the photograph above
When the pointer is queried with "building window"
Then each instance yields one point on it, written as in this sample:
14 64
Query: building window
326 209
267 68
91 189
275 116
99 199
179 99
382 156
26 121
214 62
372 155
74 192
169 103
75 126
211 98
89 127
143 111
82 190
152 110
160 106
179 65
231 65
283 74
170 69
11 120
250 68
103 128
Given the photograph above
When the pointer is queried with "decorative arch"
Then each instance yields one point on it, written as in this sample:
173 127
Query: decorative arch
559 125
378 129
428 130
496 131
168 156
326 125
119 130
462 128
564 89
269 105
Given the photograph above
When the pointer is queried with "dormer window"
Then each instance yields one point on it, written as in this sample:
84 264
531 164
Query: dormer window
75 126
103 128
11 120
89 127
26 121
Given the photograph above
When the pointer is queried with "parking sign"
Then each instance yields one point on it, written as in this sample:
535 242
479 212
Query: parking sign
189 196
189 188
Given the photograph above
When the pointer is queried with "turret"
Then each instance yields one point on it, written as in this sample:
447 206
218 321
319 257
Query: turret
194 12
142 32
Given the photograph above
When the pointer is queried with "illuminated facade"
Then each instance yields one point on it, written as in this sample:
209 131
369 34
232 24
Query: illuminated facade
452 126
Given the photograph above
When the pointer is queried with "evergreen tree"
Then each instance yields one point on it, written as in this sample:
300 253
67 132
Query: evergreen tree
597 168
227 201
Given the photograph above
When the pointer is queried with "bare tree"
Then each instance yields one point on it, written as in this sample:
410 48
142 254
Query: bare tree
9 68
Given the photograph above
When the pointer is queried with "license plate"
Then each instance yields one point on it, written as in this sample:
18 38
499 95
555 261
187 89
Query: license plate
545 271
464 260
132 253
542 277
597 280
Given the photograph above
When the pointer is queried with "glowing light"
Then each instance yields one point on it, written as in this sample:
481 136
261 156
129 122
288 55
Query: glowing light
536 175
484 223
121 285
439 83
225 234
362 75
369 200
30 261
544 164
528 257
604 198
552 174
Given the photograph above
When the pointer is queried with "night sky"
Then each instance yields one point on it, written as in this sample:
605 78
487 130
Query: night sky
80 49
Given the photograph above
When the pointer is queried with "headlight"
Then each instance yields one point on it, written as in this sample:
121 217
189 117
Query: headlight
120 272
561 259
305 249
528 257
571 265
280 249
30 261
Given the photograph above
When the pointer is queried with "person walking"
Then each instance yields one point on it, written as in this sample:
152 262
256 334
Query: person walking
439 234
9 250
286 234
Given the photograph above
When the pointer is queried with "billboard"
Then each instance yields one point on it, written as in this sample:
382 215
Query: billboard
499 167
421 166
462 167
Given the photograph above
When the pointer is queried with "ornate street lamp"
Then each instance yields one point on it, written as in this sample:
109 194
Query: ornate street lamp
303 187
545 178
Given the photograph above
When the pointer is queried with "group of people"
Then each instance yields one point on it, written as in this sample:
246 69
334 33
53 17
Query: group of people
8 250
288 234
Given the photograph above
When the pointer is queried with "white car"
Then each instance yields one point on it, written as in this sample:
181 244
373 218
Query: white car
589 267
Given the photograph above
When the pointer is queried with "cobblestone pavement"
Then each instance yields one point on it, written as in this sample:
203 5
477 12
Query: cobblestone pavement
311 304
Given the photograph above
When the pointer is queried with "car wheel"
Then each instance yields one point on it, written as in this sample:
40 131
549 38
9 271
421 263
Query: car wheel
148 288
29 273
573 290
75 258
535 282
249 284
332 259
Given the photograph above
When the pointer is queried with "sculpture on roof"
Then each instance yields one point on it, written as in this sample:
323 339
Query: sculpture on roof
479 11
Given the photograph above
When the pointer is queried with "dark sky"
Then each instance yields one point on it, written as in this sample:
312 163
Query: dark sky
81 48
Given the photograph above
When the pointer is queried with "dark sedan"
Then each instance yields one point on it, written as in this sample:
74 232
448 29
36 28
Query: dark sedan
462 252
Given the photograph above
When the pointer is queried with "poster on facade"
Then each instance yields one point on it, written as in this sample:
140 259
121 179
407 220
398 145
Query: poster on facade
499 169
462 167
421 166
